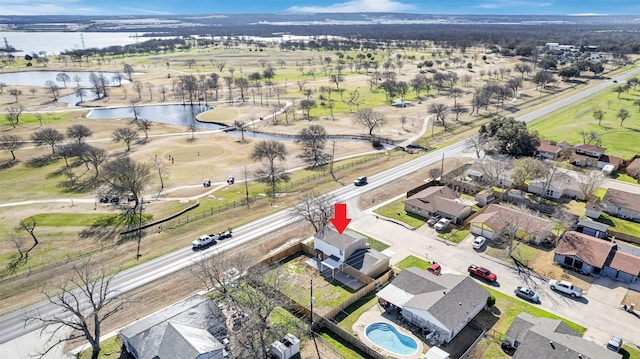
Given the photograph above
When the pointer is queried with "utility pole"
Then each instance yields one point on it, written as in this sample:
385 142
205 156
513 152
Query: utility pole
441 168
333 153
246 186
138 255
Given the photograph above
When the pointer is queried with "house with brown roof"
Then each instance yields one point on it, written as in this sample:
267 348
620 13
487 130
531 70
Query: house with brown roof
621 204
551 149
633 169
596 256
589 150
496 218
442 304
440 200
594 156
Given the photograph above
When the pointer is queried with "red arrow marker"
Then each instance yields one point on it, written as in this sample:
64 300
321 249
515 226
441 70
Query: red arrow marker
340 220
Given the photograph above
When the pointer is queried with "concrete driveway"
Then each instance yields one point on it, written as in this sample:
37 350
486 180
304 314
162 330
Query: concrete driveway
599 310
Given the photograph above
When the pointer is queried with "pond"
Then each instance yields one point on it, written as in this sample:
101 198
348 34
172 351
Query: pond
72 99
182 115
38 78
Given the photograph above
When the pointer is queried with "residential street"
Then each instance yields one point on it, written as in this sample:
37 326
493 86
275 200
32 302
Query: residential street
599 310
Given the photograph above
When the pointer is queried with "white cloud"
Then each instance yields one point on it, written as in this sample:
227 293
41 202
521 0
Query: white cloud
509 3
357 6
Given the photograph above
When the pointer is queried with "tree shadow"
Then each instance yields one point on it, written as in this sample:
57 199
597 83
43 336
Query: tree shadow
9 164
38 162
109 226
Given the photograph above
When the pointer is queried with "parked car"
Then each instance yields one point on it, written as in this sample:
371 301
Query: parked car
115 200
434 269
482 272
614 344
566 287
360 181
204 241
433 220
479 242
442 224
207 183
104 199
527 294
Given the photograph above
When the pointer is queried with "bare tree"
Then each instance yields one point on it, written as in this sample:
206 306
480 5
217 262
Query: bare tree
440 110
493 170
53 87
369 119
220 272
312 140
149 87
86 300
95 156
241 126
269 152
123 176
15 93
63 77
78 132
11 143
144 125
477 145
589 182
14 111
47 136
317 209
126 135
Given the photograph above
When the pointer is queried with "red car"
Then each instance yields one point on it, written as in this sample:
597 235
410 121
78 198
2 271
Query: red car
434 269
482 272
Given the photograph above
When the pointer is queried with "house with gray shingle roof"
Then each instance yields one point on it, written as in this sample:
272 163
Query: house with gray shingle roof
348 248
187 329
536 338
442 304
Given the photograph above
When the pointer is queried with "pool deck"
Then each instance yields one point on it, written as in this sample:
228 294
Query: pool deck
376 314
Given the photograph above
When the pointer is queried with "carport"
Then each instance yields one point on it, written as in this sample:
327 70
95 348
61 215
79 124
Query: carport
331 263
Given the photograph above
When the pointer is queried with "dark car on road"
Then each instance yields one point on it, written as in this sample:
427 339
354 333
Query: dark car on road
360 181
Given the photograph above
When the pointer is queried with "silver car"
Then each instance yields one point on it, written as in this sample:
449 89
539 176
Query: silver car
527 294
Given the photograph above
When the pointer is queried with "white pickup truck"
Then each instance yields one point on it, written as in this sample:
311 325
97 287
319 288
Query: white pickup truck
566 287
204 241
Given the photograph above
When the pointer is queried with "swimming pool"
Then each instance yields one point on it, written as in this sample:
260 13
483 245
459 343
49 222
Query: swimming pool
387 337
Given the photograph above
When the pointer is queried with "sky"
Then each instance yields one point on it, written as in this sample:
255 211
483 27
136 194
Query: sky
182 7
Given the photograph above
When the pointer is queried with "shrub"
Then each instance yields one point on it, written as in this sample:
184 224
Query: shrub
491 301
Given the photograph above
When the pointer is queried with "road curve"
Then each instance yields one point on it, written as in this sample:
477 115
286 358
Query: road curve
13 325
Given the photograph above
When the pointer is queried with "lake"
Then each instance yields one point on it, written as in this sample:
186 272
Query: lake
54 43
38 78
182 115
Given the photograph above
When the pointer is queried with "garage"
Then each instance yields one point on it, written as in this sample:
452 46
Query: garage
480 230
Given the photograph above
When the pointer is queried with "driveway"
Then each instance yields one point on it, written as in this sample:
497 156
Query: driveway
599 309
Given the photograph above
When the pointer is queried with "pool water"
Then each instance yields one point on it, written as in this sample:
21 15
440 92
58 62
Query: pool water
387 337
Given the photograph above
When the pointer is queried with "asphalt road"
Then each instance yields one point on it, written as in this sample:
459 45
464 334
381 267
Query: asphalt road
13 325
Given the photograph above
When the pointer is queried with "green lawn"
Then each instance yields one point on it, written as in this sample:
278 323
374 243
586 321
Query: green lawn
629 352
396 210
454 235
377 245
351 314
624 178
412 261
344 351
523 252
620 225
81 219
326 296
566 124
109 347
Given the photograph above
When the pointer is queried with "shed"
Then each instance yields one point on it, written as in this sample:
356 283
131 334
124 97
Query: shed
592 228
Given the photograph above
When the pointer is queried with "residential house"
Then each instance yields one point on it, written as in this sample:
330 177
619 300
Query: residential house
582 252
189 329
442 305
564 184
621 204
496 218
592 228
593 156
595 256
348 248
550 149
633 169
536 338
439 200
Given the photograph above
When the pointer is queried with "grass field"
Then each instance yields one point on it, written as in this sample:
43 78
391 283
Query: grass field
396 210
619 140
